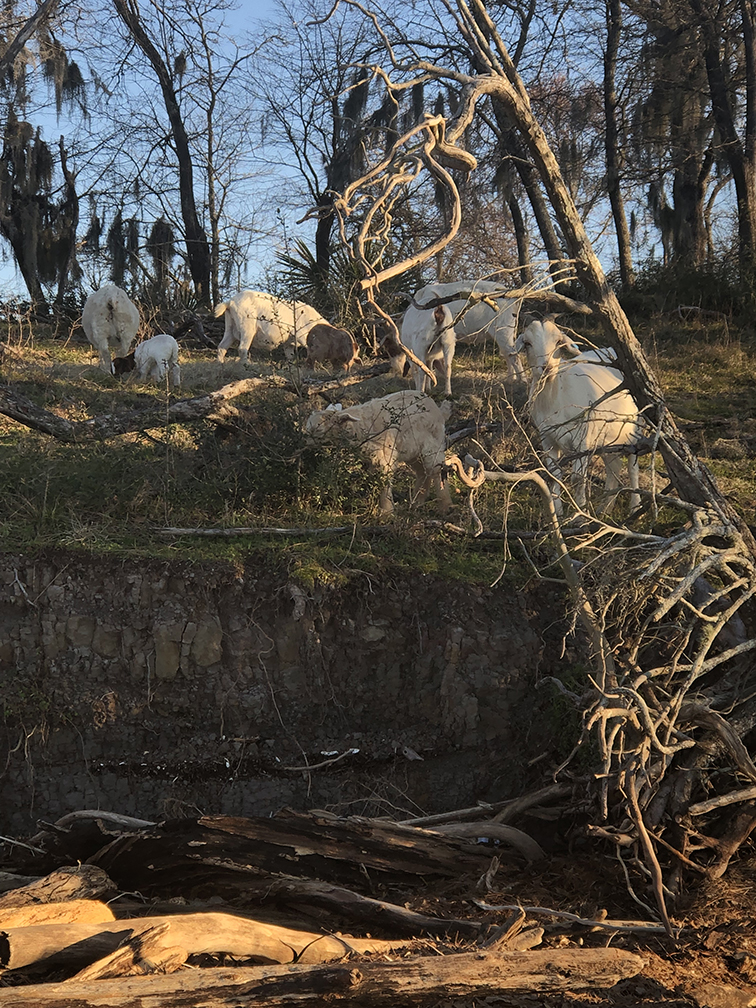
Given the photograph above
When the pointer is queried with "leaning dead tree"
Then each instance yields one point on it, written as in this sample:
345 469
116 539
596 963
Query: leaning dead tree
670 694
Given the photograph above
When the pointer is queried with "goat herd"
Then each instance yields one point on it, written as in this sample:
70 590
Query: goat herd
576 399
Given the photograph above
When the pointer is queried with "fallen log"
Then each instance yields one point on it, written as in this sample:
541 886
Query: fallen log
423 981
368 911
212 406
10 880
78 835
144 952
495 831
353 852
83 911
114 820
75 882
79 944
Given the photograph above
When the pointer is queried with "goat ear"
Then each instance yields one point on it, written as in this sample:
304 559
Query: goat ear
439 315
346 417
568 349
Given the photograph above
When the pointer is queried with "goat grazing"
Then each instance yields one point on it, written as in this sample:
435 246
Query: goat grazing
336 346
155 357
265 322
578 408
405 427
110 319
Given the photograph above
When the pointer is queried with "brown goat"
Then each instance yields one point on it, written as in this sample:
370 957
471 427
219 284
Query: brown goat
326 343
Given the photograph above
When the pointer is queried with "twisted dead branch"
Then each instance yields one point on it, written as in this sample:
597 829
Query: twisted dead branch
668 654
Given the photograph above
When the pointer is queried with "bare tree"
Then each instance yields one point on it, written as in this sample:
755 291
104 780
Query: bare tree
197 246
737 133
38 218
613 152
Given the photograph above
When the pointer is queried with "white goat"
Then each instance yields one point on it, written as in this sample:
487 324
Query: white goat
474 320
110 319
405 427
429 334
155 357
265 322
576 410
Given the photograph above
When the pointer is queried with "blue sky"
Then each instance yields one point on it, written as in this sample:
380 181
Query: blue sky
245 19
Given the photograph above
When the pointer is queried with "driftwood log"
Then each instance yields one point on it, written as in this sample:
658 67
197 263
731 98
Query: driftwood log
212 933
494 831
294 859
83 911
78 882
363 909
10 881
419 981
143 952
353 852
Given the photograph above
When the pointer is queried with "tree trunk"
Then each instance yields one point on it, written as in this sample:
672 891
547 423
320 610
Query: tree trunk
323 231
613 154
69 208
531 183
689 201
741 156
523 241
197 247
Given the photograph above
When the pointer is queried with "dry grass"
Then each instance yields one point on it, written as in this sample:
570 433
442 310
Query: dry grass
260 472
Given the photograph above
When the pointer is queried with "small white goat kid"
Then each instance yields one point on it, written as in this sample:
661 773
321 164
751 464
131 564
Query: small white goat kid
110 319
576 410
405 427
153 358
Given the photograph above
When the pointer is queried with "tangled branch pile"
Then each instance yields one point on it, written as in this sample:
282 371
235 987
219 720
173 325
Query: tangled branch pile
672 691
669 712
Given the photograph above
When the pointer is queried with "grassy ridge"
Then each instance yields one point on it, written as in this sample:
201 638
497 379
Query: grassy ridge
259 470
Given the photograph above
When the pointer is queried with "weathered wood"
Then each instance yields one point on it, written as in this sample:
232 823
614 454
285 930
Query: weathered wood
84 882
416 981
198 933
84 911
521 842
78 835
533 798
112 820
367 911
9 880
353 852
144 952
